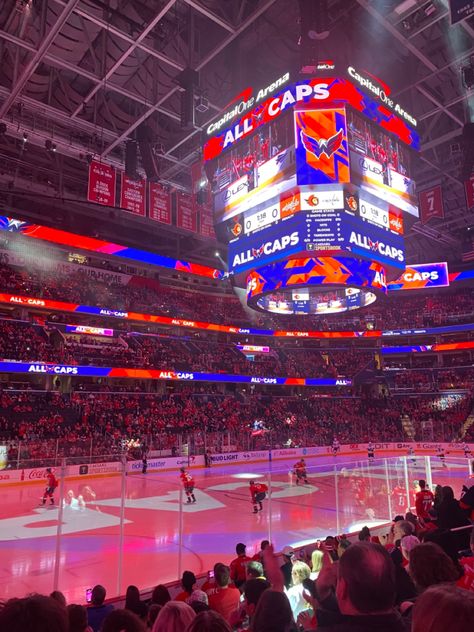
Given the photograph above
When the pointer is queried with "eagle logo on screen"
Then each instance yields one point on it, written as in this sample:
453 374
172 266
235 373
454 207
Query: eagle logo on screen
322 146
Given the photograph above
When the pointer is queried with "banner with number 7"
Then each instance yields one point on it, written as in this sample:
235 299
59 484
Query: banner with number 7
431 203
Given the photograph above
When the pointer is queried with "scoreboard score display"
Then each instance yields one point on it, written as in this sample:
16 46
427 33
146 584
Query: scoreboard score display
321 169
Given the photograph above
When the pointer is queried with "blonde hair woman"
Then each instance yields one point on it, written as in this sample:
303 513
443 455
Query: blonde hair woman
299 573
316 563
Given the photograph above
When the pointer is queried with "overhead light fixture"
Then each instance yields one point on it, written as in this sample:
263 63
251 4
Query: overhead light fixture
467 75
49 145
202 104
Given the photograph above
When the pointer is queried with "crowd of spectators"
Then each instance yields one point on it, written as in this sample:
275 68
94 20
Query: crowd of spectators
141 295
82 423
414 578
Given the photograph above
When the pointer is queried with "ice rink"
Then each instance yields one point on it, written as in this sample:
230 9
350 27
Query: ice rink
159 540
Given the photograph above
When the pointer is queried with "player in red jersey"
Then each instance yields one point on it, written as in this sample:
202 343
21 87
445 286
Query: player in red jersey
423 501
258 492
188 484
399 495
300 471
50 486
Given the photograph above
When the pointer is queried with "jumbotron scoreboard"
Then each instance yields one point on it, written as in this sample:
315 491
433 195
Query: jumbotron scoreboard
312 187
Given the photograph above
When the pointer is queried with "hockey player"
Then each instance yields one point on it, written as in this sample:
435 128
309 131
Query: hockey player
467 451
411 454
440 453
258 492
336 446
188 485
424 501
52 483
300 471
370 451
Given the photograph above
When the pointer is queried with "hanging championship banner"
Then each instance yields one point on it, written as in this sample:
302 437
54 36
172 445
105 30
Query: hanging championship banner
159 203
101 186
186 212
132 196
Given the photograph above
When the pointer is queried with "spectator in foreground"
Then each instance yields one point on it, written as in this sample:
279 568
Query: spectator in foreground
97 611
365 591
450 514
242 617
285 568
467 563
134 604
77 618
298 603
175 616
35 613
238 565
122 621
442 608
209 622
254 570
316 563
59 597
226 598
430 565
273 613
187 583
153 612
160 595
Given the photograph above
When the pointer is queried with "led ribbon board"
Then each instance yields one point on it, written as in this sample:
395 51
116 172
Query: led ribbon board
59 306
435 348
64 238
156 374
315 285
419 277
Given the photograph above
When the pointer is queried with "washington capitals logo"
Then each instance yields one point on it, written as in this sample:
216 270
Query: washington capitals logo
322 146
373 245
257 252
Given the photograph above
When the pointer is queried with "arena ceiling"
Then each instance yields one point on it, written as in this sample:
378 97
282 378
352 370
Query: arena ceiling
84 74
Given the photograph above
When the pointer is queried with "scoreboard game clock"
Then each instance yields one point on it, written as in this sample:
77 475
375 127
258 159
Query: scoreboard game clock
312 191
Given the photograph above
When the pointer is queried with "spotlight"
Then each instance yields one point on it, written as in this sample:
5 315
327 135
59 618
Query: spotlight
50 146
202 105
25 138
217 254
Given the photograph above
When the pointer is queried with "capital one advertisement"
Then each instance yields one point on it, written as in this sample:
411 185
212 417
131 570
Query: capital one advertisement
321 147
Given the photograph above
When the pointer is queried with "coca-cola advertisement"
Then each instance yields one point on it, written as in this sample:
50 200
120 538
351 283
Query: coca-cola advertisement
186 212
132 196
101 187
159 203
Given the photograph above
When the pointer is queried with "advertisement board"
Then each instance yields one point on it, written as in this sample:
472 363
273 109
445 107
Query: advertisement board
420 276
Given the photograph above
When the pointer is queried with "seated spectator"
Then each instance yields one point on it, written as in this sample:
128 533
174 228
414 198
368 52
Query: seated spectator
366 591
238 565
430 565
97 611
153 612
160 595
175 616
258 557
316 563
77 618
59 597
253 590
450 514
122 621
208 622
133 602
467 563
286 568
407 544
197 600
188 581
226 598
442 608
35 613
364 534
298 603
273 613
254 570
